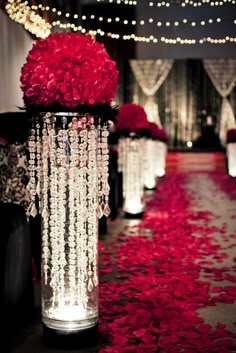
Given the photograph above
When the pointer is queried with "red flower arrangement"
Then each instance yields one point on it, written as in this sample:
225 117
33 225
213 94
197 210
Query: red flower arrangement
162 135
154 130
70 70
231 135
131 117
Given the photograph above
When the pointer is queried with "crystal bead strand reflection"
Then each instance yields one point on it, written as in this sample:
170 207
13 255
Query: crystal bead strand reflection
32 170
38 163
105 163
72 152
141 161
92 205
44 189
129 170
81 216
72 170
61 209
126 143
54 237
120 151
99 210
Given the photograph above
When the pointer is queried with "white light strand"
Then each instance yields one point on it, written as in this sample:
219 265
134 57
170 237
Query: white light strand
192 3
25 15
151 38
41 29
120 2
142 22
173 3
184 21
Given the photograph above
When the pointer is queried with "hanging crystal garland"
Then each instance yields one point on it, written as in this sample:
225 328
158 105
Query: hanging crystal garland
69 177
161 151
231 157
130 160
150 165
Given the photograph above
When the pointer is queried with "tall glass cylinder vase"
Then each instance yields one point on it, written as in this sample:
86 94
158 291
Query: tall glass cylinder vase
131 164
150 165
68 177
231 157
161 151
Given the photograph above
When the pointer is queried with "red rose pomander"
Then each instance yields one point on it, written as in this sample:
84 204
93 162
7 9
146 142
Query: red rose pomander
131 117
162 135
68 69
154 130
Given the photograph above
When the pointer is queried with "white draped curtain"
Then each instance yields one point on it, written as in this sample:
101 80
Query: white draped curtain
150 74
222 73
15 43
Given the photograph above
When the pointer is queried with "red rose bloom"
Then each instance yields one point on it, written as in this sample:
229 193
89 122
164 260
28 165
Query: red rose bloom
69 69
132 118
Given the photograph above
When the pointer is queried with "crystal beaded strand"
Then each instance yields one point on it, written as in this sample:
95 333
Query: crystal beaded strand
53 222
32 211
92 205
99 210
81 217
44 189
61 209
120 149
72 220
141 161
126 146
105 163
38 159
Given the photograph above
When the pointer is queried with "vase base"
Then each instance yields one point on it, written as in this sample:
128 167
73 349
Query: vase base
133 215
75 339
150 189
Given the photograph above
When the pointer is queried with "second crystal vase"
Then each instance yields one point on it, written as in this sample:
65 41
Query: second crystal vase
131 159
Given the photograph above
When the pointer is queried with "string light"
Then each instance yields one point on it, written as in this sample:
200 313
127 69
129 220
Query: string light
159 23
141 22
25 15
119 2
150 39
174 3
192 3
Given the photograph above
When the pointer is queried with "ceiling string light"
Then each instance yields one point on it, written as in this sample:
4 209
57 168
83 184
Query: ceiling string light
32 22
169 3
26 15
119 2
192 3
149 21
141 22
150 39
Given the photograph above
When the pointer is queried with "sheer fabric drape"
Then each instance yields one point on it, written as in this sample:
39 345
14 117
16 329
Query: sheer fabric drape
150 74
222 73
15 43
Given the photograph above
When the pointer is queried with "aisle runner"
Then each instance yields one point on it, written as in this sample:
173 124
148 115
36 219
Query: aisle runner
195 162
162 277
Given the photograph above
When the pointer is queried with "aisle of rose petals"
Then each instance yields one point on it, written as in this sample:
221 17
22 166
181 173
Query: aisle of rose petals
158 273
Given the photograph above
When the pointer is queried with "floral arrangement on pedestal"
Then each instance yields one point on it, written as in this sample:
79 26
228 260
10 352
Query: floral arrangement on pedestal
132 126
69 82
231 151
